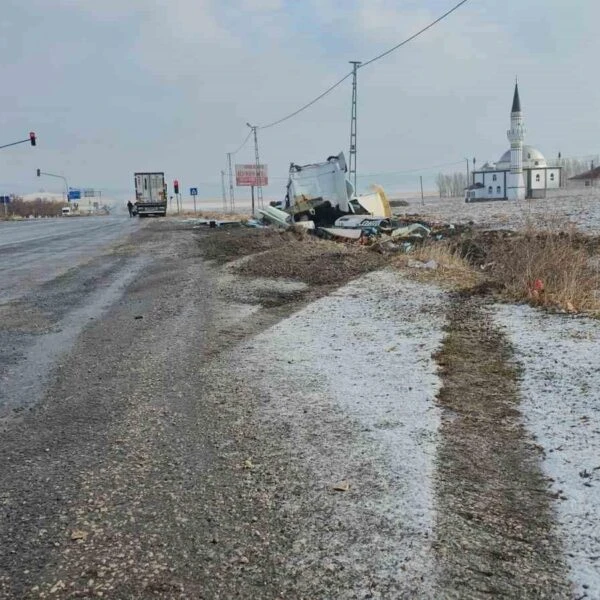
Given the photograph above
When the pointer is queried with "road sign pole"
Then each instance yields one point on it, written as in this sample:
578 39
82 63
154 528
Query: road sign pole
195 211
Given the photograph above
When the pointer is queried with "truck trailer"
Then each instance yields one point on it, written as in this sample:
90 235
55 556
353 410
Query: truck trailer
150 194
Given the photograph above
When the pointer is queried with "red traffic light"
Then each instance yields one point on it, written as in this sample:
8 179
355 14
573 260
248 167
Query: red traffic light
176 186
32 138
39 172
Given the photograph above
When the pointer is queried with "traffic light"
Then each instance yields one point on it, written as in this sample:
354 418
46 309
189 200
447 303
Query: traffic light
39 172
176 186
32 138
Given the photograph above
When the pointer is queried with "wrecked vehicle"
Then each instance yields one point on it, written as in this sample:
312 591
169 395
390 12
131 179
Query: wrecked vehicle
322 193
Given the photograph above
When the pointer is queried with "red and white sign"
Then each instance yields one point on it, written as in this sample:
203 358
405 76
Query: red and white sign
249 175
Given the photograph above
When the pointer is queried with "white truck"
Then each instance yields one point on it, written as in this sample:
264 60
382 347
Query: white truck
150 194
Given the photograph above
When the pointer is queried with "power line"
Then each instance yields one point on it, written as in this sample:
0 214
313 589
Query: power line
351 73
407 171
338 83
416 35
303 108
243 143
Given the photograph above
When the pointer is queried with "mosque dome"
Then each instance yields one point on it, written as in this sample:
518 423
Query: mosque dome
532 158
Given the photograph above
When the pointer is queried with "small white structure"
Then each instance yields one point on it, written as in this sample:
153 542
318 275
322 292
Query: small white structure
589 179
522 171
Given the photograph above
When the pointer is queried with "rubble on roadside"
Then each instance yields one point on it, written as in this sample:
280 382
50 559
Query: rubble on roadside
321 199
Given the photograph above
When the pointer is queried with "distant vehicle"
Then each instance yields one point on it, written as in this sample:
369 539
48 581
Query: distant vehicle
150 194
66 211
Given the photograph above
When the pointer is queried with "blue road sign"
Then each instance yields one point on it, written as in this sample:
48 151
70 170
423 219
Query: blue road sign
193 191
74 194
4 199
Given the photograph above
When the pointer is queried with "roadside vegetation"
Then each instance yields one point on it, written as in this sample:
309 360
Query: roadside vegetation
543 266
21 209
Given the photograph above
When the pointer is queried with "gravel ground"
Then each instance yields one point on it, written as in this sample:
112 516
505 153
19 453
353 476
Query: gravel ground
561 407
345 398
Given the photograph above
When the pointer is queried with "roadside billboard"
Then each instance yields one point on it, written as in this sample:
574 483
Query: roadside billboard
249 175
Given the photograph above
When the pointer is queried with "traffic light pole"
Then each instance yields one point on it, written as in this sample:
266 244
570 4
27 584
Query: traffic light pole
40 173
31 139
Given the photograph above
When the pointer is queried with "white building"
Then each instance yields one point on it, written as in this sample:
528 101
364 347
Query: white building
522 171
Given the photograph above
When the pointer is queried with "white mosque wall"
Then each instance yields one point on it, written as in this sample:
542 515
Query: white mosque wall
494 184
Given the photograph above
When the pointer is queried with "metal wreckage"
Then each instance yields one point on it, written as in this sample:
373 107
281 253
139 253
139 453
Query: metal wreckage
320 198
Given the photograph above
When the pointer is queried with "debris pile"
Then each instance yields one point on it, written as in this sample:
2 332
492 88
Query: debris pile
320 198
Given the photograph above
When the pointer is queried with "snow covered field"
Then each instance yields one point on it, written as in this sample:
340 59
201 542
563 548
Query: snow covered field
352 375
579 208
561 406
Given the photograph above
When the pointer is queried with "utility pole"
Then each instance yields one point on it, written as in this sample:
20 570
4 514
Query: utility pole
468 182
223 191
231 195
259 190
352 155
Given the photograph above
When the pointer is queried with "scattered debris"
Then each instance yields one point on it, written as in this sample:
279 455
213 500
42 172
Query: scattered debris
342 233
417 264
415 230
342 486
78 534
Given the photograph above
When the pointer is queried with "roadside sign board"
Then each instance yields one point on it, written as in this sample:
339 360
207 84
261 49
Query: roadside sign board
249 175
4 199
89 193
74 194
193 191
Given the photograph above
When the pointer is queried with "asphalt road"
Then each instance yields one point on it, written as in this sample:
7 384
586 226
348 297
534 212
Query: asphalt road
35 251
55 276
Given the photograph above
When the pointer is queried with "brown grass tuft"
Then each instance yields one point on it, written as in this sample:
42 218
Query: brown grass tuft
452 270
546 268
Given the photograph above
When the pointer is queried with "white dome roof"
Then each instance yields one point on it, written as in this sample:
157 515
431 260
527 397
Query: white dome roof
532 158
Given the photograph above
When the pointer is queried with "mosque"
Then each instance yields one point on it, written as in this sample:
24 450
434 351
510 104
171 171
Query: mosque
521 173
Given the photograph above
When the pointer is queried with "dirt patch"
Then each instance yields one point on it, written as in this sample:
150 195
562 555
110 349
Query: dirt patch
314 263
230 244
292 256
495 533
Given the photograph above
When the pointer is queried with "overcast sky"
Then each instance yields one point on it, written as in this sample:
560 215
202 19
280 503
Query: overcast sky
116 86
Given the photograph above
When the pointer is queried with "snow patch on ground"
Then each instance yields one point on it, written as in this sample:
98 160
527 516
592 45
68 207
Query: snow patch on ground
560 209
353 379
561 407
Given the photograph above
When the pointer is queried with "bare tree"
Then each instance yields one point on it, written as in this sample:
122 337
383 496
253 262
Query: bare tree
451 186
35 208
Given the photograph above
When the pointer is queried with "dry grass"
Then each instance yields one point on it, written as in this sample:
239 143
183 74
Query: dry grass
546 268
453 271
